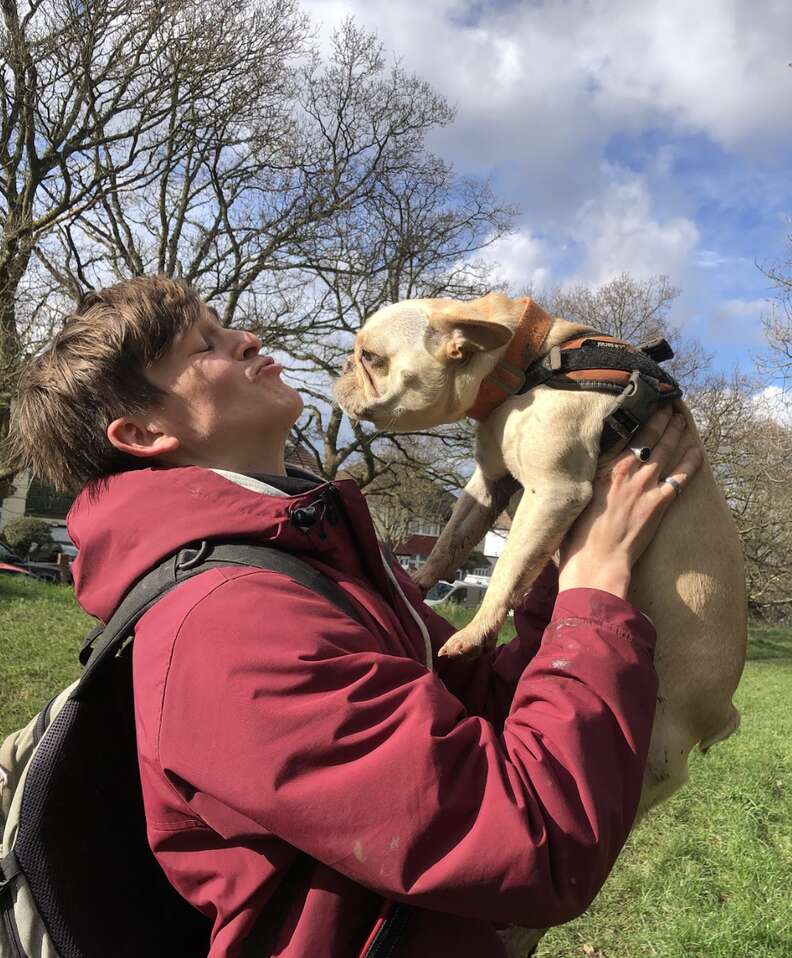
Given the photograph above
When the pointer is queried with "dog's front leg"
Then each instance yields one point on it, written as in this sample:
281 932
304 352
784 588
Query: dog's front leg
549 506
480 503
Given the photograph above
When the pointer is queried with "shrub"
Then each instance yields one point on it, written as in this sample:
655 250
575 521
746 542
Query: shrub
22 533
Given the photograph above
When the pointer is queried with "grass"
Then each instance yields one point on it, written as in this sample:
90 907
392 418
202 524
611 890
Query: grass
707 875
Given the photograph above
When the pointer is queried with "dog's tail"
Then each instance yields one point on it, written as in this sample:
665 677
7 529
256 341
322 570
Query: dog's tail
731 725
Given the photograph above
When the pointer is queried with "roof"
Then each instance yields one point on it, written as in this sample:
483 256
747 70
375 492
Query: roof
299 456
416 545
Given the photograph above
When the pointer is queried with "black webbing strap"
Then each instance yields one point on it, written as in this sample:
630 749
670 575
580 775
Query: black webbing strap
9 869
594 354
633 408
103 643
636 401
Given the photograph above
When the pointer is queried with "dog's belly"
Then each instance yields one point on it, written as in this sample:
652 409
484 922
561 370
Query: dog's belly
691 583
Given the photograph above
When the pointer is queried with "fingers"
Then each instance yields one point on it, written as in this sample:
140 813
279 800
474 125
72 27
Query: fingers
676 480
650 433
664 452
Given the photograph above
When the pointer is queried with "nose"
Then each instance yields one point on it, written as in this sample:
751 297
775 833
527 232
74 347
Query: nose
248 344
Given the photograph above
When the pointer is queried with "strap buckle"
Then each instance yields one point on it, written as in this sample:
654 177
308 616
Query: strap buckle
9 869
633 407
192 556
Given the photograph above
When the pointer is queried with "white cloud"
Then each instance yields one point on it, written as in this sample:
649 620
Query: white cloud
544 89
620 233
520 260
750 309
715 66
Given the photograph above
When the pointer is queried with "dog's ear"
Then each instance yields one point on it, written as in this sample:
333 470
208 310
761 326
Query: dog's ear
476 326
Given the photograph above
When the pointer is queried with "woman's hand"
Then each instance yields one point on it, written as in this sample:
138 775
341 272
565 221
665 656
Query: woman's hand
629 500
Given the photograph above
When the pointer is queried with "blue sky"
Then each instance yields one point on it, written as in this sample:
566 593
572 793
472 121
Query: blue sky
648 137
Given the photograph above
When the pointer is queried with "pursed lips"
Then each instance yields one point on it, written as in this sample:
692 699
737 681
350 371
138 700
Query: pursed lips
260 364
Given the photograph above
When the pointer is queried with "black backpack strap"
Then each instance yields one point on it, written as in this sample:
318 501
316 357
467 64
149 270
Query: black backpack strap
104 643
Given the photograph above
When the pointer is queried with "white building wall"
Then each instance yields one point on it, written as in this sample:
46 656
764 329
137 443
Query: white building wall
13 506
493 543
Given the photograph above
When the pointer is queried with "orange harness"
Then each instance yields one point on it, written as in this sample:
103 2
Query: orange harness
592 362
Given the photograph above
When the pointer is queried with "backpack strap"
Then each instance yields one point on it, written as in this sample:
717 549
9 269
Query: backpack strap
103 643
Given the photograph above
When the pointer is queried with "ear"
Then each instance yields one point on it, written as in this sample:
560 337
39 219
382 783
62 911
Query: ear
139 438
476 326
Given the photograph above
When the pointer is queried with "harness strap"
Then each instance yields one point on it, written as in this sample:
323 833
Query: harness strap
602 364
509 374
609 365
593 362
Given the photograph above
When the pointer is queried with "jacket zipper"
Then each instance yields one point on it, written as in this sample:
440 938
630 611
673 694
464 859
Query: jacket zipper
389 936
10 925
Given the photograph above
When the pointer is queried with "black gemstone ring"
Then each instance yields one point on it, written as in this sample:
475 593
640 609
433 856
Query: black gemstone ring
641 453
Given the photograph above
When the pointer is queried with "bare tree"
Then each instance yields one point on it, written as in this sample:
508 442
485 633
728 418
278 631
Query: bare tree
751 456
778 322
300 201
633 310
99 101
403 493
417 236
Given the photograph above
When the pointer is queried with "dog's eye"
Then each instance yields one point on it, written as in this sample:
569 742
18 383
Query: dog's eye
372 358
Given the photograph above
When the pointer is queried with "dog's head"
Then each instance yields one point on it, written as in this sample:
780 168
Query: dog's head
420 363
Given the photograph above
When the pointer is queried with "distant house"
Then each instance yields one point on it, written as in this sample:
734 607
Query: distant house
297 455
414 550
31 497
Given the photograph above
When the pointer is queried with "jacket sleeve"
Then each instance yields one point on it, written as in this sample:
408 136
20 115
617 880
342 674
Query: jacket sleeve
486 685
293 724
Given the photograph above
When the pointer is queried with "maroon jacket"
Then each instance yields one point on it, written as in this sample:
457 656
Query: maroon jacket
269 722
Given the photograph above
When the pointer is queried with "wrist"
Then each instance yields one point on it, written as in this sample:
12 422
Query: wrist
611 575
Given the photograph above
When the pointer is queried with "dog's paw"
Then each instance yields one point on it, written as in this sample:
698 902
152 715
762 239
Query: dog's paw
423 581
465 644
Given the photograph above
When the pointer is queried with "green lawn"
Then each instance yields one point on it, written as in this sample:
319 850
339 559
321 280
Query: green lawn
707 874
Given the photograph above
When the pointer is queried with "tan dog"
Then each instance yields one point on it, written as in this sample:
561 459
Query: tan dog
421 363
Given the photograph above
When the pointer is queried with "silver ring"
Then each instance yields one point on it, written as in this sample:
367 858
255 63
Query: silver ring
641 453
674 484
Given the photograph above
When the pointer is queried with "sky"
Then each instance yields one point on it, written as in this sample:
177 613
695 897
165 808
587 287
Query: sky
652 137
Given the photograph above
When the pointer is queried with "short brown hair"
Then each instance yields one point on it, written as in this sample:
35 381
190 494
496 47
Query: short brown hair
91 373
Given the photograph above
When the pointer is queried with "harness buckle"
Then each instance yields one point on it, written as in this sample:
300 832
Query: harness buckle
633 407
622 423
189 557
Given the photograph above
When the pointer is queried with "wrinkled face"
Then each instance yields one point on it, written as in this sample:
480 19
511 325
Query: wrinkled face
398 377
419 363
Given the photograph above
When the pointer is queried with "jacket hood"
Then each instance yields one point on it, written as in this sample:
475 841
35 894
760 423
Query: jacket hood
129 522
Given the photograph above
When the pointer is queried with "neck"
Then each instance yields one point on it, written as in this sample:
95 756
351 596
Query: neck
270 462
